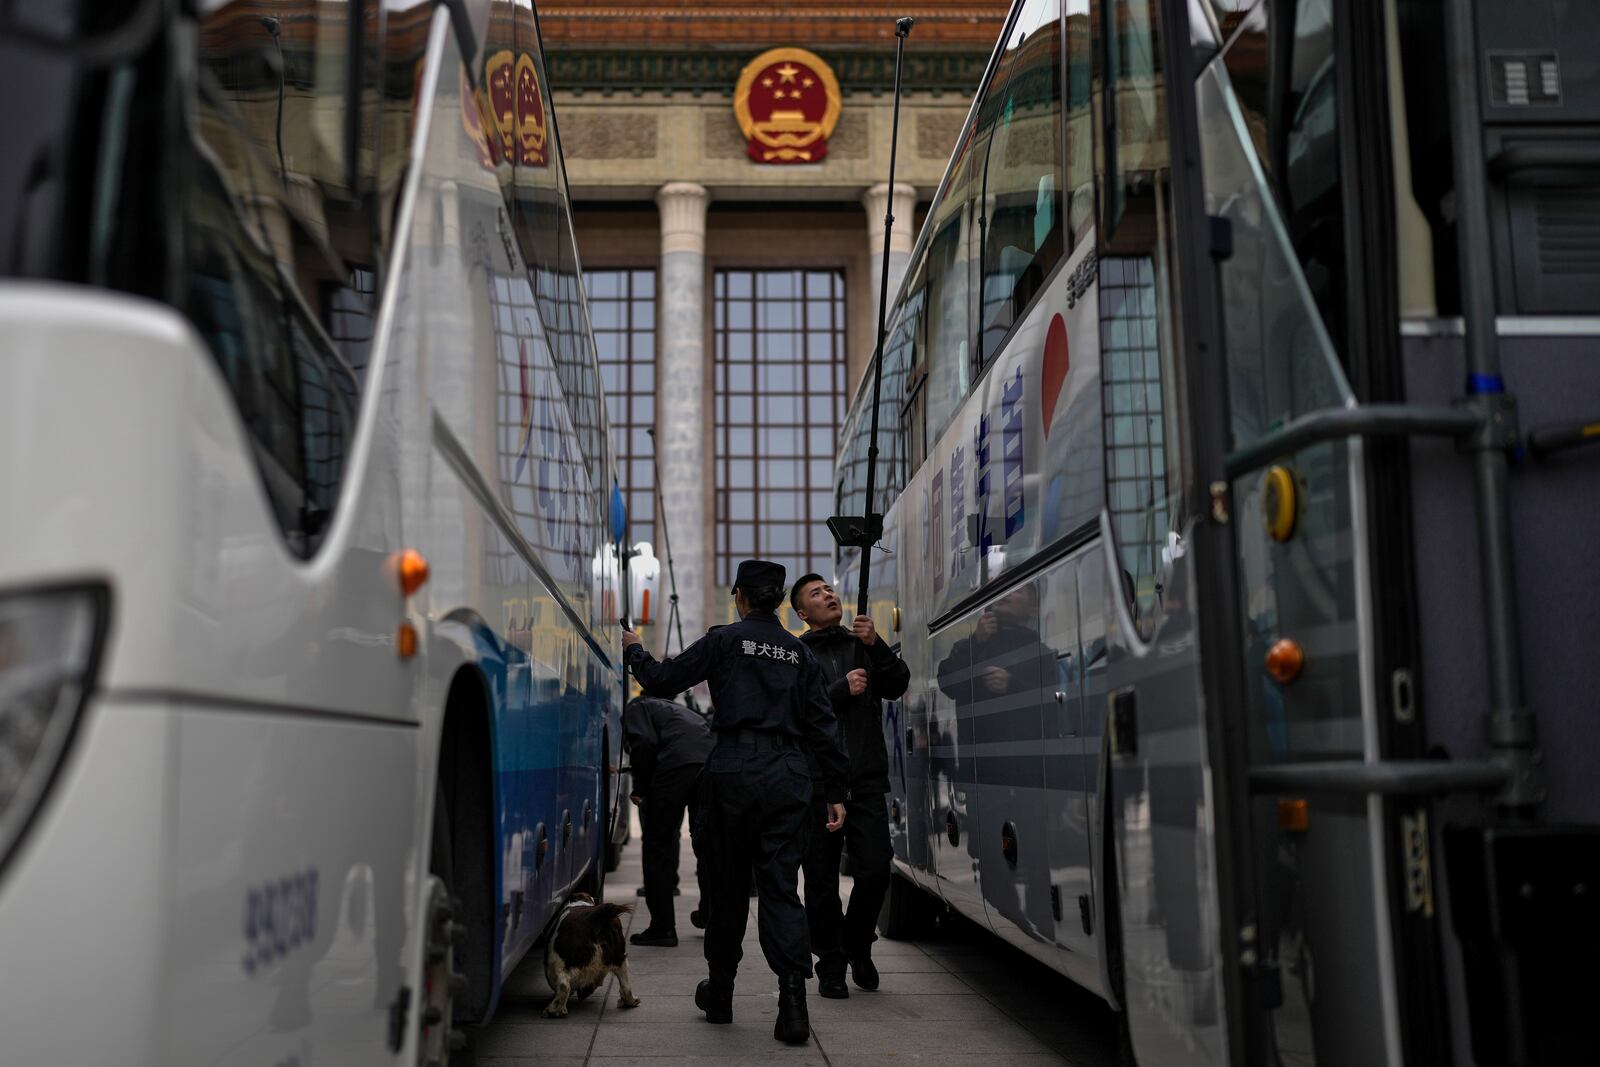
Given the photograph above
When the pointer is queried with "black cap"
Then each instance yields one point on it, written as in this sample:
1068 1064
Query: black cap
759 574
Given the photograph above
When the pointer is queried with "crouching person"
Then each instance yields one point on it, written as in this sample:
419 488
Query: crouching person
860 671
667 747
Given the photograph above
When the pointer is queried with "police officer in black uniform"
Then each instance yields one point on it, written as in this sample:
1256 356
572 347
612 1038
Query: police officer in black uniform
667 746
769 709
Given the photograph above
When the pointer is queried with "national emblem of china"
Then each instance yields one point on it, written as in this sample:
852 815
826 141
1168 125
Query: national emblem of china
513 106
787 102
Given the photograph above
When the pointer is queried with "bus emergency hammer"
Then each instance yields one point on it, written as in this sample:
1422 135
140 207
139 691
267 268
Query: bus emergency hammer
863 531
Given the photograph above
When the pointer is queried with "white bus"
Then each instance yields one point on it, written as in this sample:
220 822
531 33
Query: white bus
309 685
1222 702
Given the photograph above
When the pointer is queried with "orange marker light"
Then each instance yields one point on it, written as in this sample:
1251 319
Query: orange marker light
1285 660
405 640
644 609
409 569
1293 816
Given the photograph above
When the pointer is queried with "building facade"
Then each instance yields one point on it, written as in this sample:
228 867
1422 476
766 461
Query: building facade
728 165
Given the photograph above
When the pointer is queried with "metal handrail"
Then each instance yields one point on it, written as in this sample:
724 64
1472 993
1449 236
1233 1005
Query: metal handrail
1383 777
1364 420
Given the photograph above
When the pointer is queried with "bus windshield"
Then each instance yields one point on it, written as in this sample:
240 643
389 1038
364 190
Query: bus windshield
70 69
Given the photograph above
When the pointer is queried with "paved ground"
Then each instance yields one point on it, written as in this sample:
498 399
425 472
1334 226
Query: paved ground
953 998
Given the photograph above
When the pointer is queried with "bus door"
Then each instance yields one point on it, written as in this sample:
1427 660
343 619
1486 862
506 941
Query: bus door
1154 832
1013 674
952 797
905 721
905 733
1068 776
1315 939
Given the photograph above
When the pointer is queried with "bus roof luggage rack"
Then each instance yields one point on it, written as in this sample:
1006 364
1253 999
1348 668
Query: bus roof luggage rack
1385 777
1362 420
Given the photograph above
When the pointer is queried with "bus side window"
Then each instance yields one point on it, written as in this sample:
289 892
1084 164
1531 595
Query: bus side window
897 371
945 323
1017 181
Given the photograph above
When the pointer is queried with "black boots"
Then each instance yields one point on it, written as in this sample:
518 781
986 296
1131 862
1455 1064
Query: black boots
653 938
714 996
830 985
865 974
794 1025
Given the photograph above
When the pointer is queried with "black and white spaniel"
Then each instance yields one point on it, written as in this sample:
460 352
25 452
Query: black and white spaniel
586 945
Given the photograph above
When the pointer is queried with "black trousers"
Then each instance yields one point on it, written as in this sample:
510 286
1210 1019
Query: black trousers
671 793
837 936
755 803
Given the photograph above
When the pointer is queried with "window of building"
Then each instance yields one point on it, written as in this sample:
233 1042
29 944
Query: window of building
622 311
1135 434
347 312
779 340
1138 363
523 354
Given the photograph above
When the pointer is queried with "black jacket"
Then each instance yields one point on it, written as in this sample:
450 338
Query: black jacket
761 678
860 717
662 736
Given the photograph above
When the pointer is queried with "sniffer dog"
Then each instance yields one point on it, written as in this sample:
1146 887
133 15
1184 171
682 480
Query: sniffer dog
585 946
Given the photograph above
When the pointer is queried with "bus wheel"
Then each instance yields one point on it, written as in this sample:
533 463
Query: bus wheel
594 880
907 911
440 1042
610 851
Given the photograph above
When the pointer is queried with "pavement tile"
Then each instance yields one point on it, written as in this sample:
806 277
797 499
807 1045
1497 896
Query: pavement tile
684 959
939 1059
907 964
747 1038
958 996
677 1008
1077 1041
647 983
516 1038
801 1056
872 1007
933 983
865 1037
884 947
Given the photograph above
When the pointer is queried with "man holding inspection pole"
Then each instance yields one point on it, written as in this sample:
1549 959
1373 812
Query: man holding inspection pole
860 671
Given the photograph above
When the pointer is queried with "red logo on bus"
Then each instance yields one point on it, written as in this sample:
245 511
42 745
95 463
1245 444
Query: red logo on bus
1053 370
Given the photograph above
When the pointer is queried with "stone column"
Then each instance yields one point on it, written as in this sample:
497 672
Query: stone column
905 222
681 408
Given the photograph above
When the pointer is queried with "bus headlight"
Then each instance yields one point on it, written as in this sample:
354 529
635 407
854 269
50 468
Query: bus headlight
49 642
